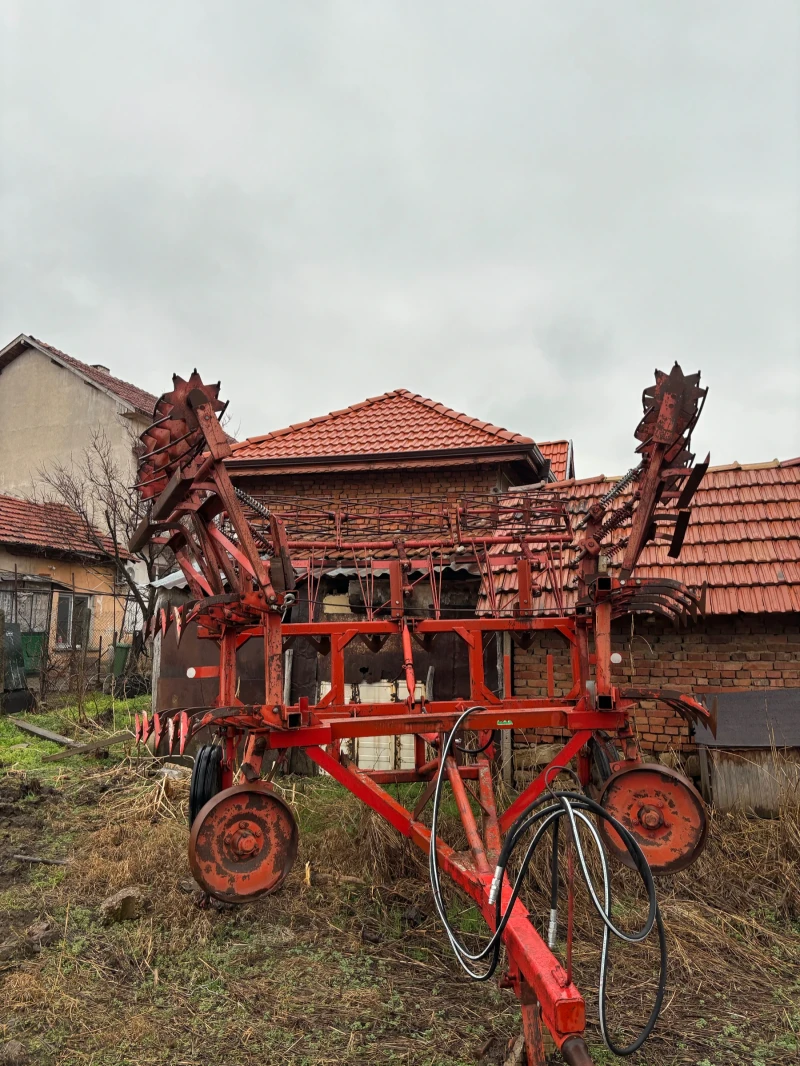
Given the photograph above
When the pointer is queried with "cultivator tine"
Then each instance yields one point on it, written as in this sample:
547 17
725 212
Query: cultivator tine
156 731
138 730
184 732
694 479
701 602
170 733
177 617
164 622
145 727
678 534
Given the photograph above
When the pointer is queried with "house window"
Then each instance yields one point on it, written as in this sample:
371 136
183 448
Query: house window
72 620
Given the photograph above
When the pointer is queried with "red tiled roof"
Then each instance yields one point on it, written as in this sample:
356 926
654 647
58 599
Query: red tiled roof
743 539
398 421
132 395
559 452
45 527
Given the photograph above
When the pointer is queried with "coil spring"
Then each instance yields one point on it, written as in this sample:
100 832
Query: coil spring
615 520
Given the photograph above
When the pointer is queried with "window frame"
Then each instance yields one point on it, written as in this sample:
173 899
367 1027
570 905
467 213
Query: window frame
70 598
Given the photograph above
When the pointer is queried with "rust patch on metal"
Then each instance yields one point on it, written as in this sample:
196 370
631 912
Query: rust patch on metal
662 810
243 843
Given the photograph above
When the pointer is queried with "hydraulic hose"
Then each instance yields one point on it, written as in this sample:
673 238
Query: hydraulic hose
546 811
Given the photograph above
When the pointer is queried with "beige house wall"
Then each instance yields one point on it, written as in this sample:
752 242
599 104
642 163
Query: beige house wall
49 415
95 581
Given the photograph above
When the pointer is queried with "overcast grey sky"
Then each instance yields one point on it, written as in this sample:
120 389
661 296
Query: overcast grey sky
518 208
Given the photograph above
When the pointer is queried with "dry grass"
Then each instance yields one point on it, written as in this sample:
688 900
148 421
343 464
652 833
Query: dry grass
338 971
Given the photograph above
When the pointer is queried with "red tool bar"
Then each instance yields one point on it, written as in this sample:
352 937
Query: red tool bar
422 625
397 725
445 544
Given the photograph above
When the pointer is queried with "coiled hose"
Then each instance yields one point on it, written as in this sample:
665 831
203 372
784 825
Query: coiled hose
545 811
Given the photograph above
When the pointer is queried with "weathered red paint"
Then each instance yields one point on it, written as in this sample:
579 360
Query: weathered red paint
244 839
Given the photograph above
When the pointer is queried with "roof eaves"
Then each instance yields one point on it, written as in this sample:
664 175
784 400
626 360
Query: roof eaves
488 452
52 551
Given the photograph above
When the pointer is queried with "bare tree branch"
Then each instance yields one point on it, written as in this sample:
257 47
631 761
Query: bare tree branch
101 493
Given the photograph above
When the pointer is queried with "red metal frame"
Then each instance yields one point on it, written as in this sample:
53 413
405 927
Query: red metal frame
218 535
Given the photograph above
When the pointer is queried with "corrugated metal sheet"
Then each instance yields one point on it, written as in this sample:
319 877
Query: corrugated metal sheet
754 718
743 540
758 780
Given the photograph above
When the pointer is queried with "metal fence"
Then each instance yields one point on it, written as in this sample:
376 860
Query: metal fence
72 640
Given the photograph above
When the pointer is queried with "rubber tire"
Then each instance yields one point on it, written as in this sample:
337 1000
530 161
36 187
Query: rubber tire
602 752
206 778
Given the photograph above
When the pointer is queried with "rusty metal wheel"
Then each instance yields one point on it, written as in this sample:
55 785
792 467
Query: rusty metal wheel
662 810
243 843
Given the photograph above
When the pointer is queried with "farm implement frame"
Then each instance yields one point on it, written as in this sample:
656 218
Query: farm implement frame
253 564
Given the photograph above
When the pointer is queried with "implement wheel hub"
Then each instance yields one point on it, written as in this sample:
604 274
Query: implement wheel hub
650 817
243 843
662 810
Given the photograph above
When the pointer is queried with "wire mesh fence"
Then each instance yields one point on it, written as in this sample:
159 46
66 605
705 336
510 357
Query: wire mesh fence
70 640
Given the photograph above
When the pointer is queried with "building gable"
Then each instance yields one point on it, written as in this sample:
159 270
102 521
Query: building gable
50 414
398 427
138 400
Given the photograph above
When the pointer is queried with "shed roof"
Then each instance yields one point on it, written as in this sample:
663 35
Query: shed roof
400 424
743 539
395 421
44 528
138 399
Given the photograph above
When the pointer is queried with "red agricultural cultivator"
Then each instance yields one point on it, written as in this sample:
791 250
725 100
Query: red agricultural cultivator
249 562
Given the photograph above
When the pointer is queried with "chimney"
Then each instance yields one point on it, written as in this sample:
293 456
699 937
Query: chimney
99 366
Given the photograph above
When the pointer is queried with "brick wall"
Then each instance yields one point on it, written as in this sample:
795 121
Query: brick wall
370 484
716 654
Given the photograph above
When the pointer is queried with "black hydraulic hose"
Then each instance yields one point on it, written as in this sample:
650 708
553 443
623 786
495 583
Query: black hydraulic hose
553 927
576 802
475 751
576 807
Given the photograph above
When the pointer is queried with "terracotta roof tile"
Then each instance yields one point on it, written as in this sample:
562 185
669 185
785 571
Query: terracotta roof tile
137 398
743 538
559 452
395 422
44 527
